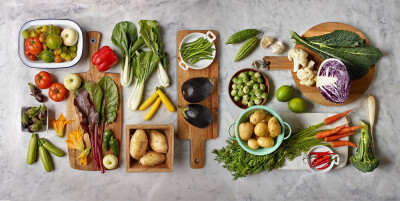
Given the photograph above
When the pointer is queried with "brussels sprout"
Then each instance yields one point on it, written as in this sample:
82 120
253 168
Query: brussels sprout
239 81
244 102
256 86
264 95
254 78
252 97
257 101
263 87
246 97
240 93
242 75
251 73
260 80
240 86
257 92
236 98
246 89
257 75
245 80
251 92
233 92
250 83
234 86
250 103
235 80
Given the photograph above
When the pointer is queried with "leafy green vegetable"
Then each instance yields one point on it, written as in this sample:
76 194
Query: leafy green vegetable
149 30
110 108
356 58
364 160
95 94
241 163
337 38
124 37
145 63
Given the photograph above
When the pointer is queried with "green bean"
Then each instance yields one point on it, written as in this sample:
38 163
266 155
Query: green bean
200 49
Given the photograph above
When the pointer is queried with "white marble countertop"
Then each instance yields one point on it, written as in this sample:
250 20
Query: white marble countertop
378 20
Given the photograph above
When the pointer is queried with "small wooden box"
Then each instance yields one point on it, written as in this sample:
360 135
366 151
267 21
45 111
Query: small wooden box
132 165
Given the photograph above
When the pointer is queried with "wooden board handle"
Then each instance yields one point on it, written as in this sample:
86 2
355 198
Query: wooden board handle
93 39
278 63
197 152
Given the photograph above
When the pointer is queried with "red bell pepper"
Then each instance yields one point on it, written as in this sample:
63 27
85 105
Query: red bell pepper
104 58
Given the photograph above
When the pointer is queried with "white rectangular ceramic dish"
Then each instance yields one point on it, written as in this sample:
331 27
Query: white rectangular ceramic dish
53 65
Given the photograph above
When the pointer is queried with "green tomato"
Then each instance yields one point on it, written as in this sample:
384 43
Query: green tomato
250 103
263 87
256 86
246 97
251 73
64 48
246 89
257 101
284 93
235 80
47 56
68 58
297 105
53 41
257 75
25 34
55 30
236 98
72 54
244 102
240 93
63 54
233 92
72 48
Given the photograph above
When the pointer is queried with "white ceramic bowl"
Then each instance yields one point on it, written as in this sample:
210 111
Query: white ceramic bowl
321 148
53 65
203 63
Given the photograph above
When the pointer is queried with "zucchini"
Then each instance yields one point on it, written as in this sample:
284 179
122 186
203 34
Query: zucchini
51 148
242 36
32 150
45 156
246 48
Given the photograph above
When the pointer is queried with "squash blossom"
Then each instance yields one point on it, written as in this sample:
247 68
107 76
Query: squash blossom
75 141
59 125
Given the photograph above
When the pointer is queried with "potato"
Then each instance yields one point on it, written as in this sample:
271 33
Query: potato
274 127
265 142
257 117
139 144
158 141
266 119
253 143
152 158
261 129
246 130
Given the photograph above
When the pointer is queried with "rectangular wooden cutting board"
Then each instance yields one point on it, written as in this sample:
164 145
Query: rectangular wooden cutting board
198 136
93 39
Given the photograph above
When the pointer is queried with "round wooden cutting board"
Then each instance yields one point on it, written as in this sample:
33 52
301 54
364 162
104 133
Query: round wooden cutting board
358 87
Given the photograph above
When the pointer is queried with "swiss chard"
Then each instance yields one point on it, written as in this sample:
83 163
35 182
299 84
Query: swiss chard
95 94
110 102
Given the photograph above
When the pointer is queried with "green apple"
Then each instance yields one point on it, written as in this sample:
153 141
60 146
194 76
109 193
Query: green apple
72 81
110 161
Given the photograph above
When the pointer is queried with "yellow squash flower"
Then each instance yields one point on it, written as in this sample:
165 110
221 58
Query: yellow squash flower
75 141
59 125
83 156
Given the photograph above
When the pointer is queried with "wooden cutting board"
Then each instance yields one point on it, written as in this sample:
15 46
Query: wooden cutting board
198 136
93 39
358 87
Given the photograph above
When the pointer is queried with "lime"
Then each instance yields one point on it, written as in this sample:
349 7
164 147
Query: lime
284 93
297 105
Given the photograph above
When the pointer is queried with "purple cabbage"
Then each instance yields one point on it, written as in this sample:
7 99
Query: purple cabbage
333 81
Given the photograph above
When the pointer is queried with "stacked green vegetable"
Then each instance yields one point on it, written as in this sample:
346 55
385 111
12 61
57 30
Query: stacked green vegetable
249 88
241 163
346 46
247 34
200 49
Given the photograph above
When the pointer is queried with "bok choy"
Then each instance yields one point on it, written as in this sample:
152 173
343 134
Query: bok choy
124 36
149 30
145 63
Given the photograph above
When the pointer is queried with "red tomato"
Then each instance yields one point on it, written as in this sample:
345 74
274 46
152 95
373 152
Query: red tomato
33 45
43 80
32 57
27 53
58 59
57 92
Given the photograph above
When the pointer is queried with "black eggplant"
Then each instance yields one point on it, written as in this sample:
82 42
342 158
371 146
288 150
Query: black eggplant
42 112
197 115
197 89
34 89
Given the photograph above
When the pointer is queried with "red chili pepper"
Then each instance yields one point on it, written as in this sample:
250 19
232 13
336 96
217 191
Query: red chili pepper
317 153
322 160
104 58
325 166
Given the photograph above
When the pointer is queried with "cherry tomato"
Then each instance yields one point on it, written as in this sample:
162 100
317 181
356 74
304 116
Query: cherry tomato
42 37
57 92
32 57
57 51
45 47
33 34
43 80
33 45
58 59
27 53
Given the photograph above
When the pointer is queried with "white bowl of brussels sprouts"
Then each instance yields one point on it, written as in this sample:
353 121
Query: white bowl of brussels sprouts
248 87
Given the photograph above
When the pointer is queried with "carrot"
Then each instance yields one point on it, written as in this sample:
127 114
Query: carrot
342 143
336 136
348 129
324 134
334 118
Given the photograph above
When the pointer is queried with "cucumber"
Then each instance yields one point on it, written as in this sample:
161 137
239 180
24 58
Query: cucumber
246 48
45 156
241 36
32 150
51 148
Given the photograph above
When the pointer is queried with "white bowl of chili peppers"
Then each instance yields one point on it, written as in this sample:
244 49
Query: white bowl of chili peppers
321 159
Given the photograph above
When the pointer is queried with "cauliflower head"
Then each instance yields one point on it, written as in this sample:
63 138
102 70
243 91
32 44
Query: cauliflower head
307 76
299 57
